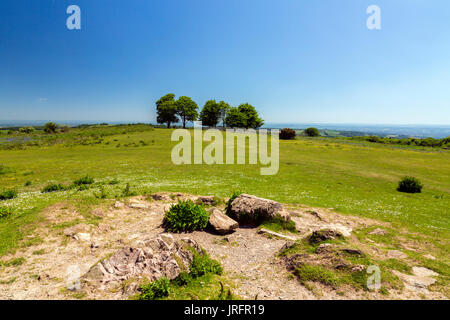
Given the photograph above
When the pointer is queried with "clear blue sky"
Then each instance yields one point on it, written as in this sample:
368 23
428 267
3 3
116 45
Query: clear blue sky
294 60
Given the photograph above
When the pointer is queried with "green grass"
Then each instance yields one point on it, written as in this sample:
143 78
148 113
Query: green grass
358 178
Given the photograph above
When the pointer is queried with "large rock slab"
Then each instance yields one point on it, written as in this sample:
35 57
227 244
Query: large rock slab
158 257
220 222
248 209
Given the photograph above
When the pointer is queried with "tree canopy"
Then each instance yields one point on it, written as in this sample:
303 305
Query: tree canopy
186 109
244 116
210 113
166 109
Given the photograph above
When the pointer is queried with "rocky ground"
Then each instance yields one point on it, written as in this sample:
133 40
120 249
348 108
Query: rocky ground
71 245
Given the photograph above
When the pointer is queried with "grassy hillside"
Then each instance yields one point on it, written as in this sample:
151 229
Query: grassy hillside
351 177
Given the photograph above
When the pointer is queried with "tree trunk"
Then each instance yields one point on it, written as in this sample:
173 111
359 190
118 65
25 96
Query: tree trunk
184 123
168 124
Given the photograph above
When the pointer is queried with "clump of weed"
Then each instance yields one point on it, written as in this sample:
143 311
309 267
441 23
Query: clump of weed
8 194
126 192
410 185
103 194
5 212
278 224
53 188
12 262
202 264
84 181
186 216
27 184
155 290
113 182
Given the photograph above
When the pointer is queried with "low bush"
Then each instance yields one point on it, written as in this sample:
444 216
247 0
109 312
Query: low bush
311 132
5 211
409 185
83 180
53 188
287 134
155 290
8 194
202 264
186 216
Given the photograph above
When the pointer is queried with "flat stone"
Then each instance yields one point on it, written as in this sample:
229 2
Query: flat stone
429 256
221 223
414 282
424 272
208 200
250 209
118 204
85 237
138 205
396 254
276 234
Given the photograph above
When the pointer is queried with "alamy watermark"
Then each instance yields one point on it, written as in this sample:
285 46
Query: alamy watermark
219 152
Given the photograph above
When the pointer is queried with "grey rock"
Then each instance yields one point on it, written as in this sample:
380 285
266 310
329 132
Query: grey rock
220 222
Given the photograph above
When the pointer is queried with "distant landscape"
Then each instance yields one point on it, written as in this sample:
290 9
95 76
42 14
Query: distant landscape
345 130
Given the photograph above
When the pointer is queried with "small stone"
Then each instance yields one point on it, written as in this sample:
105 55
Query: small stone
429 256
138 206
276 234
423 272
220 222
323 235
378 232
85 237
207 200
118 204
358 268
396 254
353 251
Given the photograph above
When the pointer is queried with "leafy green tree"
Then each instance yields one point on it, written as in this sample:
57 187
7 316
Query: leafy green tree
223 109
50 127
235 118
312 132
251 116
186 109
210 113
166 109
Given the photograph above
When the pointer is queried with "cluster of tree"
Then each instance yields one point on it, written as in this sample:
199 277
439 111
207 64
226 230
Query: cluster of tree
184 109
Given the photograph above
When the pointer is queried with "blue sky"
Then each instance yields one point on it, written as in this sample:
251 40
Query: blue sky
294 60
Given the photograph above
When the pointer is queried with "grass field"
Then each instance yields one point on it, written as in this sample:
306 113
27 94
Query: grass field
352 177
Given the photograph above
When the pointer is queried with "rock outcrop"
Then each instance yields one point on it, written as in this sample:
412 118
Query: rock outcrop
248 209
158 257
220 222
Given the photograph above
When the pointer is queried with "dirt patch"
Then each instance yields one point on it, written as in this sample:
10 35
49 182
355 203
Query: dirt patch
250 259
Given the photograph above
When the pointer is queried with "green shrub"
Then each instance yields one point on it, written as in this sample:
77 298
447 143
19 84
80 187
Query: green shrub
114 182
183 279
287 134
202 264
8 194
410 185
53 188
5 211
28 183
311 132
155 290
186 216
50 127
84 180
126 192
